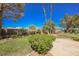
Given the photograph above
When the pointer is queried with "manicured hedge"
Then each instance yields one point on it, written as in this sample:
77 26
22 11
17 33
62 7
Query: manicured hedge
41 43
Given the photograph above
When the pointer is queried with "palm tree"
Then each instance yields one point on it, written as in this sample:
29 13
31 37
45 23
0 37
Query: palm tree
49 26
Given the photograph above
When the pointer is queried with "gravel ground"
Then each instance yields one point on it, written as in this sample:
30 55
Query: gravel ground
65 47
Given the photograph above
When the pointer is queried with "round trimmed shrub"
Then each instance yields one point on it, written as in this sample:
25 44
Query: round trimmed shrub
41 43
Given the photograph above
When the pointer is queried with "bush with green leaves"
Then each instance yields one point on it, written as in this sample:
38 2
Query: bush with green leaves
38 31
69 35
41 43
76 38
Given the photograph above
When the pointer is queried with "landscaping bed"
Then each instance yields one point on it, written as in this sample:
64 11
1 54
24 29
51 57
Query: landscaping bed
35 45
41 44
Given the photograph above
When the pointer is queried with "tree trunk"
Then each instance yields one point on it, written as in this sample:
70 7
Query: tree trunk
67 28
1 16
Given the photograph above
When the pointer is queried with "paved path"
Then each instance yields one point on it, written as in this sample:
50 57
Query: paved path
65 47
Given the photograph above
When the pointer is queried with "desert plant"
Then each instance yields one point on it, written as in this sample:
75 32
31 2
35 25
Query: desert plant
41 43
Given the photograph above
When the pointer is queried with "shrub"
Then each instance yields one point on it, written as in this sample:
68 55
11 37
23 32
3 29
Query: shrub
69 35
41 43
76 38
38 31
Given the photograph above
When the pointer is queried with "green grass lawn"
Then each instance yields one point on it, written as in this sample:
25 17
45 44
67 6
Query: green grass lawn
18 46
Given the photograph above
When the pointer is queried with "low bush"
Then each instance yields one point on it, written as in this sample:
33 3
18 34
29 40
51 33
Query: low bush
41 43
76 38
73 36
38 31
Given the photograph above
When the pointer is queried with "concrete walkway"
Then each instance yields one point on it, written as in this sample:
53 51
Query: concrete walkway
65 47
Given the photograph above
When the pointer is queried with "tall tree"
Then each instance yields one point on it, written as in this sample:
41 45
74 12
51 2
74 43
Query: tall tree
76 21
49 26
32 27
66 22
10 10
70 23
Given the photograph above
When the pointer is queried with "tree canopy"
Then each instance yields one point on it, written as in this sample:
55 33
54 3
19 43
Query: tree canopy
70 23
11 10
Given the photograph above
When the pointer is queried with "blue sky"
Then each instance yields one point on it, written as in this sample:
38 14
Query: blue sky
33 14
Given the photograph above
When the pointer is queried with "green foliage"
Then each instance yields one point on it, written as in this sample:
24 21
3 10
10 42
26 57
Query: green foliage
73 36
32 27
38 31
76 38
45 27
41 43
49 24
70 23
